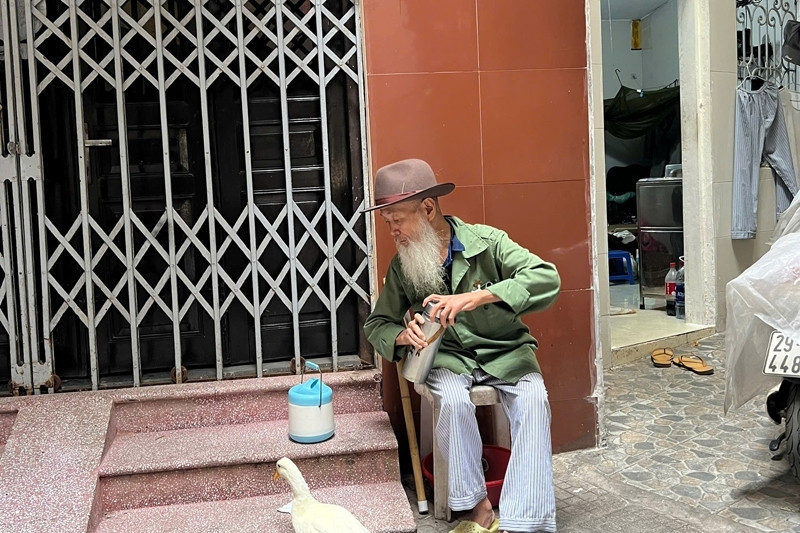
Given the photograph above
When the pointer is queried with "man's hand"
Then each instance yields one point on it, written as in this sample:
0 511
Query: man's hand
449 305
412 335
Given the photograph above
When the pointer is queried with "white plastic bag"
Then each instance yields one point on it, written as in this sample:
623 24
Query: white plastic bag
789 221
765 297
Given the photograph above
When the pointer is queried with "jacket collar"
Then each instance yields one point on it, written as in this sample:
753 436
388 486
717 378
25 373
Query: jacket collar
473 244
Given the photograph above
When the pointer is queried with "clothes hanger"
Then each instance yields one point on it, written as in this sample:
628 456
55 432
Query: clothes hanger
748 71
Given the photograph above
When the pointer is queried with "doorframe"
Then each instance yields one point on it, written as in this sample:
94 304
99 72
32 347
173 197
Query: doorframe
702 147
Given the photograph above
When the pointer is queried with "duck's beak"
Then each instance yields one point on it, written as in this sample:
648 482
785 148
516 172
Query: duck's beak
275 476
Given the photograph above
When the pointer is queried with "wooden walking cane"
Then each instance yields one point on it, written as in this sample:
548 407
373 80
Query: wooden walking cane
413 446
411 429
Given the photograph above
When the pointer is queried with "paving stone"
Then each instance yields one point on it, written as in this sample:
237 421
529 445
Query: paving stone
684 490
674 462
629 520
775 492
708 443
638 476
704 476
751 513
747 475
666 459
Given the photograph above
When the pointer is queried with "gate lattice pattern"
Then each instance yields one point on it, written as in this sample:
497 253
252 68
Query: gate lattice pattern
256 212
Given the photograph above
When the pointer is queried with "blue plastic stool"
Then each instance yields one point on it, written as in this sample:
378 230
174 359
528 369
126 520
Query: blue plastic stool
620 255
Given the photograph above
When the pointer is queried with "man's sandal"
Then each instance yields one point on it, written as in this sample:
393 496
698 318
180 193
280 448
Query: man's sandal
468 526
695 363
662 357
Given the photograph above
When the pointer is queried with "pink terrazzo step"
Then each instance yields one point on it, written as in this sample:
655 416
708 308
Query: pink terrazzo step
168 407
380 507
220 462
7 419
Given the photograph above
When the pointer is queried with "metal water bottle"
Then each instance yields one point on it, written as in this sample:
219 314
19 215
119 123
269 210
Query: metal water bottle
418 363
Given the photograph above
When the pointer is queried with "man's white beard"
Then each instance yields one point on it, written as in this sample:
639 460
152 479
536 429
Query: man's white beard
421 262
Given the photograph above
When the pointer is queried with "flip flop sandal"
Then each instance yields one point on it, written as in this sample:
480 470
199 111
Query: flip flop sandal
467 526
695 363
662 357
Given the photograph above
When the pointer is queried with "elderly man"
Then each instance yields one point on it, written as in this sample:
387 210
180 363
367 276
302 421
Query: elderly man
482 283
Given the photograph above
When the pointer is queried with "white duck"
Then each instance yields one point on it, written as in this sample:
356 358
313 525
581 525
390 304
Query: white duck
309 515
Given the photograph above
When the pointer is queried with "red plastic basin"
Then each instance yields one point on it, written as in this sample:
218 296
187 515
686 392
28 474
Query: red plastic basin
495 461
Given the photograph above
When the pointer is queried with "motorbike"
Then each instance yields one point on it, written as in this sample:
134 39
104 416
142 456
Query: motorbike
783 401
762 336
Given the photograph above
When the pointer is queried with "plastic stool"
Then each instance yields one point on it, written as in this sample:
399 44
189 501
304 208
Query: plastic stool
621 255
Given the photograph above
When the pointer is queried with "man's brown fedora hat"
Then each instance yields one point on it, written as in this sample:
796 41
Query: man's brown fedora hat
406 180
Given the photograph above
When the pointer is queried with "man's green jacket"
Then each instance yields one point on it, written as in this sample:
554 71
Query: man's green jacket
492 337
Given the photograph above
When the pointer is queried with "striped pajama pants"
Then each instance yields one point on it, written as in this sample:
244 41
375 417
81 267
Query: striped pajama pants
759 133
527 501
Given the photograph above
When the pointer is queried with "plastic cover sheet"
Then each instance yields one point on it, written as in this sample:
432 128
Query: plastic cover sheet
765 297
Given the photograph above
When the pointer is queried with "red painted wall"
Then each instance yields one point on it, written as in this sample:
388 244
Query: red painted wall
493 94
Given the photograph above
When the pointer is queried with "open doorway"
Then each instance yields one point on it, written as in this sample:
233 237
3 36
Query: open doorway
643 162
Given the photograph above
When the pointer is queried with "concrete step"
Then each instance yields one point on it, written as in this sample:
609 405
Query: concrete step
628 349
381 507
167 407
237 461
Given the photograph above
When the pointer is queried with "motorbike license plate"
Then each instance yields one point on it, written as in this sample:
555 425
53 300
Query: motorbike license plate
783 356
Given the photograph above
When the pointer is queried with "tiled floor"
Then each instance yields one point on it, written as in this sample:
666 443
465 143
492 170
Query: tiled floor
631 325
667 433
627 297
673 459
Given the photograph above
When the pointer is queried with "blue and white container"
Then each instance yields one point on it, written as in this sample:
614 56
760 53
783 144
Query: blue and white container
311 409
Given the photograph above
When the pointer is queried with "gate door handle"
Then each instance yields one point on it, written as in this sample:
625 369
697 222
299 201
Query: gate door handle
97 142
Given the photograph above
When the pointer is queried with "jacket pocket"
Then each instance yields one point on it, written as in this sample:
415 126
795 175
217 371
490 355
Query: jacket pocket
491 321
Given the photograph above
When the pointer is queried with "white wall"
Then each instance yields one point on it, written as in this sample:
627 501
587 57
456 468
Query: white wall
732 257
660 65
655 65
617 54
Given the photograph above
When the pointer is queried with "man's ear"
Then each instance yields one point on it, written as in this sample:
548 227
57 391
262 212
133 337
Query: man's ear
429 206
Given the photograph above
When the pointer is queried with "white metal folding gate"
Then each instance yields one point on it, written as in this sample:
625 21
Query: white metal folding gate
180 177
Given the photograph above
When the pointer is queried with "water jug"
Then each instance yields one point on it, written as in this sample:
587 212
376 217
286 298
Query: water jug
310 409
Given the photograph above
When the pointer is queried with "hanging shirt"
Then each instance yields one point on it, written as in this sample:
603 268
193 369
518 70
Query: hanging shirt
759 133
